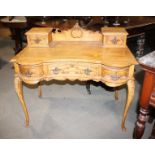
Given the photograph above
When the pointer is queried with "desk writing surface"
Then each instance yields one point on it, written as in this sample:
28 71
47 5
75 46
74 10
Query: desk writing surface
76 57
85 52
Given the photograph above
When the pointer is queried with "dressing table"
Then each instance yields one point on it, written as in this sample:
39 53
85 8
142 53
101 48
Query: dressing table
75 54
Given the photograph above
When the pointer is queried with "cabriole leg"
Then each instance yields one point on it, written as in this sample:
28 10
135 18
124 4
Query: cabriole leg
131 88
19 91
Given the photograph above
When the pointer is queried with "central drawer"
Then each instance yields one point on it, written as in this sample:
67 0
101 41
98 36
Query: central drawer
71 70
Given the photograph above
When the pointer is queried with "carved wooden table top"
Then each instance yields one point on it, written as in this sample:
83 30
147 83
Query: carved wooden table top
86 52
75 56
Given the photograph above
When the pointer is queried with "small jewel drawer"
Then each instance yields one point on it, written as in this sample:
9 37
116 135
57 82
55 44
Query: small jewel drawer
39 37
31 71
114 37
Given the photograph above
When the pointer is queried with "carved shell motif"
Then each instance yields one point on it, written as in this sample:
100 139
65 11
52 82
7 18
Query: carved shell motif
76 31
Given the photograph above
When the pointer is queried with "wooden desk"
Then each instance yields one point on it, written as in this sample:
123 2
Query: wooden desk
147 97
77 58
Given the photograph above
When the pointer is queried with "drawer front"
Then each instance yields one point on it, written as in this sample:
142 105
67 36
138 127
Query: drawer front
37 40
115 75
30 71
115 41
72 70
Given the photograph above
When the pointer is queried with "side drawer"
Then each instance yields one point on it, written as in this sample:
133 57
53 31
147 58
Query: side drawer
115 41
31 71
37 41
115 74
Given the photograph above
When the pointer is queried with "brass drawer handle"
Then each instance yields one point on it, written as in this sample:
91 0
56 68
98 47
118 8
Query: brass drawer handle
114 40
28 73
56 70
87 71
115 77
37 40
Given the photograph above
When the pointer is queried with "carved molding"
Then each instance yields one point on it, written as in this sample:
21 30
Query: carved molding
77 33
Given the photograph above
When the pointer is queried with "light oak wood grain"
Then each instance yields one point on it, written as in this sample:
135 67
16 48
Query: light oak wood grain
19 91
39 37
76 54
114 37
